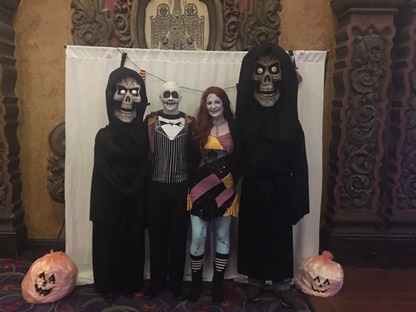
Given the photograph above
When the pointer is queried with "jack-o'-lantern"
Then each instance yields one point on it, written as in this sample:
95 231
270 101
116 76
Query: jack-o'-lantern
49 278
320 276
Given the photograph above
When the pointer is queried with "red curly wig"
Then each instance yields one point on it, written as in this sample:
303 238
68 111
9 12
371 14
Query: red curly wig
203 124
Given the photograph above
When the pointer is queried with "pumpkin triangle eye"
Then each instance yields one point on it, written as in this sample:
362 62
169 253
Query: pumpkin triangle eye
42 275
326 282
52 279
316 279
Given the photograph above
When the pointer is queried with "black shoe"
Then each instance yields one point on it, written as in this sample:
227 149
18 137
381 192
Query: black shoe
286 298
153 291
196 286
217 287
253 293
178 293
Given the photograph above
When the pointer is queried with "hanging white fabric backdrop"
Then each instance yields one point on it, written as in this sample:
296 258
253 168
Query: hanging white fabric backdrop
87 71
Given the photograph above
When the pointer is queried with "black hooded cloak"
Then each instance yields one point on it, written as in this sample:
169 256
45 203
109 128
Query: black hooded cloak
273 161
117 196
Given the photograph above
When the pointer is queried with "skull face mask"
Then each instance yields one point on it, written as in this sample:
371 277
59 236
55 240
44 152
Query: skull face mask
170 96
267 76
127 96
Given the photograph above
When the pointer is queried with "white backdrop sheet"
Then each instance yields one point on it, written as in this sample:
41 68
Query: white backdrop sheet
87 71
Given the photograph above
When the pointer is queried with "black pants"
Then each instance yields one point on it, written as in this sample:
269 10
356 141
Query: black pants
168 222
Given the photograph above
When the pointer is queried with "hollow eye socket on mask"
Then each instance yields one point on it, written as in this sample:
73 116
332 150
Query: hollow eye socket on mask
168 94
274 69
123 91
259 70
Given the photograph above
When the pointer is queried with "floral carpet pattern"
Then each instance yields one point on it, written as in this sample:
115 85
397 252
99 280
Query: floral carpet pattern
84 298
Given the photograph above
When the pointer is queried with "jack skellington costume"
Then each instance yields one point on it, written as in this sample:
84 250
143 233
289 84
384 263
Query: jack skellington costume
274 193
170 153
118 188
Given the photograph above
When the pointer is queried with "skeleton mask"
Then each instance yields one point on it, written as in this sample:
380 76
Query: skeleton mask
127 96
170 96
267 76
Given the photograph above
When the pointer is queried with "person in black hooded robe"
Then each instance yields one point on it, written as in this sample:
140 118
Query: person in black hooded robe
274 192
117 191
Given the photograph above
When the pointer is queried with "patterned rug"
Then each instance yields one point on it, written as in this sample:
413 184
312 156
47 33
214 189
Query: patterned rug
84 298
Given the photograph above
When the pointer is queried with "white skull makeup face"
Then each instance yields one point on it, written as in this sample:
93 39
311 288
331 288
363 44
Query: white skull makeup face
170 96
267 76
127 96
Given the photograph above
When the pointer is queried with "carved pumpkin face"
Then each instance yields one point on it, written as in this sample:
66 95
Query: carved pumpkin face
320 276
49 278
44 285
320 287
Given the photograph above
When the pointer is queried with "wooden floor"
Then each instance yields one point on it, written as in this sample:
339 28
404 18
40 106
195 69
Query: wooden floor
372 291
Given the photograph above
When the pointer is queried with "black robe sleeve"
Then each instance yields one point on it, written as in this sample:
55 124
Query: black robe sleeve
119 175
300 198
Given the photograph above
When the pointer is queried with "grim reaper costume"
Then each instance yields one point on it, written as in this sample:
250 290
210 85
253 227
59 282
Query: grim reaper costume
117 192
274 194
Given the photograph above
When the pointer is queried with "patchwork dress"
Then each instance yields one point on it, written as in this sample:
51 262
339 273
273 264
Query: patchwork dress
212 190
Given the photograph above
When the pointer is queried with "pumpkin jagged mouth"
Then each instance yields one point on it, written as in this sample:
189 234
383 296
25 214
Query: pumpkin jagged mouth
318 290
43 292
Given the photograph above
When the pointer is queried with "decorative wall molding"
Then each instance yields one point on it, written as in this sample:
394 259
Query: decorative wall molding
91 23
372 148
341 6
401 187
231 31
13 233
229 28
56 165
260 23
122 22
171 19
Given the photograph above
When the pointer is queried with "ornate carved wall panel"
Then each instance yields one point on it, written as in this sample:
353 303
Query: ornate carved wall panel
12 227
362 77
357 216
122 23
176 24
56 165
401 204
91 23
260 23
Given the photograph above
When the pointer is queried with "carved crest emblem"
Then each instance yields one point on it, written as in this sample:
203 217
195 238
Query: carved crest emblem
176 29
